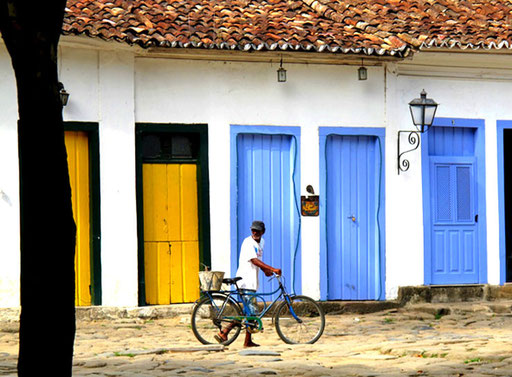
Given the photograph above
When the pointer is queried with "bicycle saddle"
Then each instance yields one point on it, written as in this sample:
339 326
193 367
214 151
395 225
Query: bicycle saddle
231 280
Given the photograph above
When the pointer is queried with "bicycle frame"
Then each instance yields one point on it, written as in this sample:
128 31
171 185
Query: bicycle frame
246 297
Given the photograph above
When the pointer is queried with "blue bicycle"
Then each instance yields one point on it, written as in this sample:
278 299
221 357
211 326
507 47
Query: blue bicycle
297 319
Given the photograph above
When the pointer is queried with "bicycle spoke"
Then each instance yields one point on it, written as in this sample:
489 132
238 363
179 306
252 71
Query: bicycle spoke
211 315
303 322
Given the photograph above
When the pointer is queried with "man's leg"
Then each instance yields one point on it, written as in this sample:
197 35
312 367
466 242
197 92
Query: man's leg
222 336
248 341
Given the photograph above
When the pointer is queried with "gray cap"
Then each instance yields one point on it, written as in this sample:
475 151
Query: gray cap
258 225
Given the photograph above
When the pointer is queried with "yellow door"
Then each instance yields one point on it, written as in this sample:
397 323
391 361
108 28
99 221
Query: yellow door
77 145
171 242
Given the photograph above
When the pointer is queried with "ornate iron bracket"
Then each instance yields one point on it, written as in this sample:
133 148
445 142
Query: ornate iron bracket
414 140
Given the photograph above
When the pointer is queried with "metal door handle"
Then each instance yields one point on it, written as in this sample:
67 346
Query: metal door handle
353 218
169 251
476 218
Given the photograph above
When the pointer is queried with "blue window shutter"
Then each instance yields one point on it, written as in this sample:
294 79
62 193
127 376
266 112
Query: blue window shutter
464 212
443 210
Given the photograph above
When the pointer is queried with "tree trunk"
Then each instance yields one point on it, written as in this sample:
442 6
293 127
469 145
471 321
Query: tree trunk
31 32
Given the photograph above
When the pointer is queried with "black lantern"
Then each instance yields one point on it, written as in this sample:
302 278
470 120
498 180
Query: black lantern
64 96
281 73
423 110
362 73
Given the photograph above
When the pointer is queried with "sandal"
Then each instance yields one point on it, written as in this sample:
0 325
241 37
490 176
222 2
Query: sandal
219 338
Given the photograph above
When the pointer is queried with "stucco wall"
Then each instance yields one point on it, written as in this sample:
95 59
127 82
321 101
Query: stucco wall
468 87
116 89
9 186
101 84
221 94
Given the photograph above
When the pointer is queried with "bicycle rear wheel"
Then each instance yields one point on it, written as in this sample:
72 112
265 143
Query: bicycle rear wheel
306 326
211 315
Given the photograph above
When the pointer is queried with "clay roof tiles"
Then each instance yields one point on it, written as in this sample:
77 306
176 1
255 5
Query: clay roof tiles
372 27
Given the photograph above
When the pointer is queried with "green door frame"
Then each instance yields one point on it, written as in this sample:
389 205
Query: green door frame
203 190
92 130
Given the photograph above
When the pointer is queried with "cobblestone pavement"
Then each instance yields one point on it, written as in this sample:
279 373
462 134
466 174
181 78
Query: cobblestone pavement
473 339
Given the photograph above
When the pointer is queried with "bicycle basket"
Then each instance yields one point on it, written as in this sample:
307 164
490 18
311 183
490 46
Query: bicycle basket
211 280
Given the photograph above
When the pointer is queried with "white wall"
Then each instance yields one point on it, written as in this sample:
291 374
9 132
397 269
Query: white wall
117 172
221 94
116 89
9 186
101 87
486 96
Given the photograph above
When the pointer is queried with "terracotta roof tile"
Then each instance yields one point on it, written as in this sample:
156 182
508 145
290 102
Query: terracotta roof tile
382 27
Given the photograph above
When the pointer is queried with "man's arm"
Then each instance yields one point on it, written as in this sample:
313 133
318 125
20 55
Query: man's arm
267 270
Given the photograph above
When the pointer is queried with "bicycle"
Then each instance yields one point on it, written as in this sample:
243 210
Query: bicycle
298 319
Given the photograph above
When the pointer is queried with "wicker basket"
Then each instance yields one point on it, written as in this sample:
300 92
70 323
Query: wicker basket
211 280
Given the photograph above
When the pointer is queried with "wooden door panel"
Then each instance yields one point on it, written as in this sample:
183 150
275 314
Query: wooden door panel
156 217
171 225
353 174
157 264
77 146
454 228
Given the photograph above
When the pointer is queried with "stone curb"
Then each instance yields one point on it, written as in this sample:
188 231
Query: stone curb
93 313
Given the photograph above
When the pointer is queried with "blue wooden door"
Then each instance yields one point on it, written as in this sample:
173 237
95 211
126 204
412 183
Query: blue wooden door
267 191
454 220
354 174
453 252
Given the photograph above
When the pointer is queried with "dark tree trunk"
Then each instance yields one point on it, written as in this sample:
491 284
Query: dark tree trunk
31 31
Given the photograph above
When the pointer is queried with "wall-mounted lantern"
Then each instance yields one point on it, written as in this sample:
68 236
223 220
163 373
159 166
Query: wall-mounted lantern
423 111
64 96
362 72
281 73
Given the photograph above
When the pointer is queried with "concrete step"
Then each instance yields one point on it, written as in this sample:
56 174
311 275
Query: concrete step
454 293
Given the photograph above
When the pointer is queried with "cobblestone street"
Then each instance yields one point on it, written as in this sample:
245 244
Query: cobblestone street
463 339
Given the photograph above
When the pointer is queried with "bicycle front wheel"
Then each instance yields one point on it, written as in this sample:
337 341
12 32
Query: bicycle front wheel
212 314
301 321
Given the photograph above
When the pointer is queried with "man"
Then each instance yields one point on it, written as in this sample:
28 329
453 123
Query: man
249 265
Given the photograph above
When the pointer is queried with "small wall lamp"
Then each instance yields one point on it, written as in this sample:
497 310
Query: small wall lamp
423 111
362 72
64 96
281 73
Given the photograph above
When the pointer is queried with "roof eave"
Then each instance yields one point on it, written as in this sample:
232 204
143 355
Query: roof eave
248 53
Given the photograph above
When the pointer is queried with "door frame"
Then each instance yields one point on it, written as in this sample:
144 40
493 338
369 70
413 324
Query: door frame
501 126
380 134
92 130
203 191
479 126
294 132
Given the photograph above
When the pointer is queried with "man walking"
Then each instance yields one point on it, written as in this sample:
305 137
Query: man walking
249 265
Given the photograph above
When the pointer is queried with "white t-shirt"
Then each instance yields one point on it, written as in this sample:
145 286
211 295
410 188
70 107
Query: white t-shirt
246 269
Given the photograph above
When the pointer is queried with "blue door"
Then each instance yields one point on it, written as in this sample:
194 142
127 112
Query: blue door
455 249
454 229
267 191
354 169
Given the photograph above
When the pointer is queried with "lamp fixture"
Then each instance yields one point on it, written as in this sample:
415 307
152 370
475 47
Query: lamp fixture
362 72
64 96
281 73
423 111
